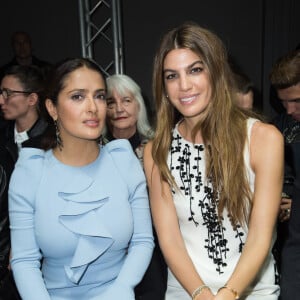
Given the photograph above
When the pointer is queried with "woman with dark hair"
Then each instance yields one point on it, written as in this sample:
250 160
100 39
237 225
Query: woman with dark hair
214 174
80 223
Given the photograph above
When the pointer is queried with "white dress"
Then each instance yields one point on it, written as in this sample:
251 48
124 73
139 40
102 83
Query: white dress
213 247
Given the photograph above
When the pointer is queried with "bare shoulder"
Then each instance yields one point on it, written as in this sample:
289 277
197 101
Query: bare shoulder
148 147
148 159
266 145
264 134
148 151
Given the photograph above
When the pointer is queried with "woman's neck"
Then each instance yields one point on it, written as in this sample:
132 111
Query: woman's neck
186 128
77 155
123 133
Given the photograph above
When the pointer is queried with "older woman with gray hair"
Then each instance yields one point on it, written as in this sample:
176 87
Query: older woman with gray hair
126 113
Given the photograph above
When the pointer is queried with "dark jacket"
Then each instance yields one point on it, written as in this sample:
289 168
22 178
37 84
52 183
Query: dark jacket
4 224
8 158
8 290
290 129
290 280
44 66
291 132
34 141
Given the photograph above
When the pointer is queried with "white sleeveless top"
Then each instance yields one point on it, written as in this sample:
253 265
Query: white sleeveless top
213 247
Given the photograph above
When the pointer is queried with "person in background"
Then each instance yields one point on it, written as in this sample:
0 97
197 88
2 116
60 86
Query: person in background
21 92
244 89
23 54
290 262
21 45
74 234
285 79
214 195
126 113
127 119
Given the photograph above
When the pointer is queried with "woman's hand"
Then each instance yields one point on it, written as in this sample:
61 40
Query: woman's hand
225 294
206 294
285 209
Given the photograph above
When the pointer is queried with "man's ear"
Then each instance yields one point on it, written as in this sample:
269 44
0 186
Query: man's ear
51 108
33 99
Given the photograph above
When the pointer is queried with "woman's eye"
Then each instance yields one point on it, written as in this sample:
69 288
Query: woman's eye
196 70
127 100
170 76
77 97
101 96
110 103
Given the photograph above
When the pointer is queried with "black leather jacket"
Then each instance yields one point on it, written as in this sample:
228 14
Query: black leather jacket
34 134
8 158
4 224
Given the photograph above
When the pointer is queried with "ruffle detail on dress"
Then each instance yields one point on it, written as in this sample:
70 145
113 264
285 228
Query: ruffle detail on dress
80 217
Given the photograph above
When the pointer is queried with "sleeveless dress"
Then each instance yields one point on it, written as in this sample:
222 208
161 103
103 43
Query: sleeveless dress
213 247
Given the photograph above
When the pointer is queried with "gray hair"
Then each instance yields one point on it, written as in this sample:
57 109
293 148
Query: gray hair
122 84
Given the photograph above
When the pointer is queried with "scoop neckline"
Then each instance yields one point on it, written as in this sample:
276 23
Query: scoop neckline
189 142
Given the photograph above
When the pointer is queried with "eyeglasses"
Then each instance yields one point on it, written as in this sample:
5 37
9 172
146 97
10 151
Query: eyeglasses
6 93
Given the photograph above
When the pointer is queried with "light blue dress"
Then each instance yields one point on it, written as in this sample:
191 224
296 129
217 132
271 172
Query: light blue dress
79 232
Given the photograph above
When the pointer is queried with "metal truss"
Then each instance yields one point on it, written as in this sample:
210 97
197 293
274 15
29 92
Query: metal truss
101 34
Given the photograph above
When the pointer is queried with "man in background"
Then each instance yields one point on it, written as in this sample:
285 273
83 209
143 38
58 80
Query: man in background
285 79
23 53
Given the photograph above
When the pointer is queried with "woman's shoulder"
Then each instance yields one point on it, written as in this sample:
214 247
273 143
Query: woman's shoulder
124 159
28 168
28 155
118 145
121 152
264 134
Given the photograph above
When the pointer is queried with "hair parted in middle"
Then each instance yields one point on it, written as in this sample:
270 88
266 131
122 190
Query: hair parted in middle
222 124
57 81
124 84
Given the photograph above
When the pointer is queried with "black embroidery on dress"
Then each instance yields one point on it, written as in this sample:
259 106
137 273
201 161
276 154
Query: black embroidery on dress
215 243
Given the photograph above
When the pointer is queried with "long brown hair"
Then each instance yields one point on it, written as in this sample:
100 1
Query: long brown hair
223 124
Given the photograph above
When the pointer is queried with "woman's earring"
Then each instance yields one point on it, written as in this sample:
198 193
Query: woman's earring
58 138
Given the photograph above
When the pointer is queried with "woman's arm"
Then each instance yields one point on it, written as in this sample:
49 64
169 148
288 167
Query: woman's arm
26 255
141 245
266 159
167 228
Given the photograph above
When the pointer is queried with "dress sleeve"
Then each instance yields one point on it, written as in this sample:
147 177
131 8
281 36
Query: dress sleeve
141 244
26 254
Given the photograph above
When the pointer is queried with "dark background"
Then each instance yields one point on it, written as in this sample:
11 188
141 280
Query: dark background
255 32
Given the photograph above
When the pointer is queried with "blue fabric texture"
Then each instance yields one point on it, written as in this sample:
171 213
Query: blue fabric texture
79 232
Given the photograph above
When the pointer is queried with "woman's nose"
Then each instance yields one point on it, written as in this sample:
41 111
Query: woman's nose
185 83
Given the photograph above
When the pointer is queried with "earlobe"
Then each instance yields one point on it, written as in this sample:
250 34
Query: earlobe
51 109
33 99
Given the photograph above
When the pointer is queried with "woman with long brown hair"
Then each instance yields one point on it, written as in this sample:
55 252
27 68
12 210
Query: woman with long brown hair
214 174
